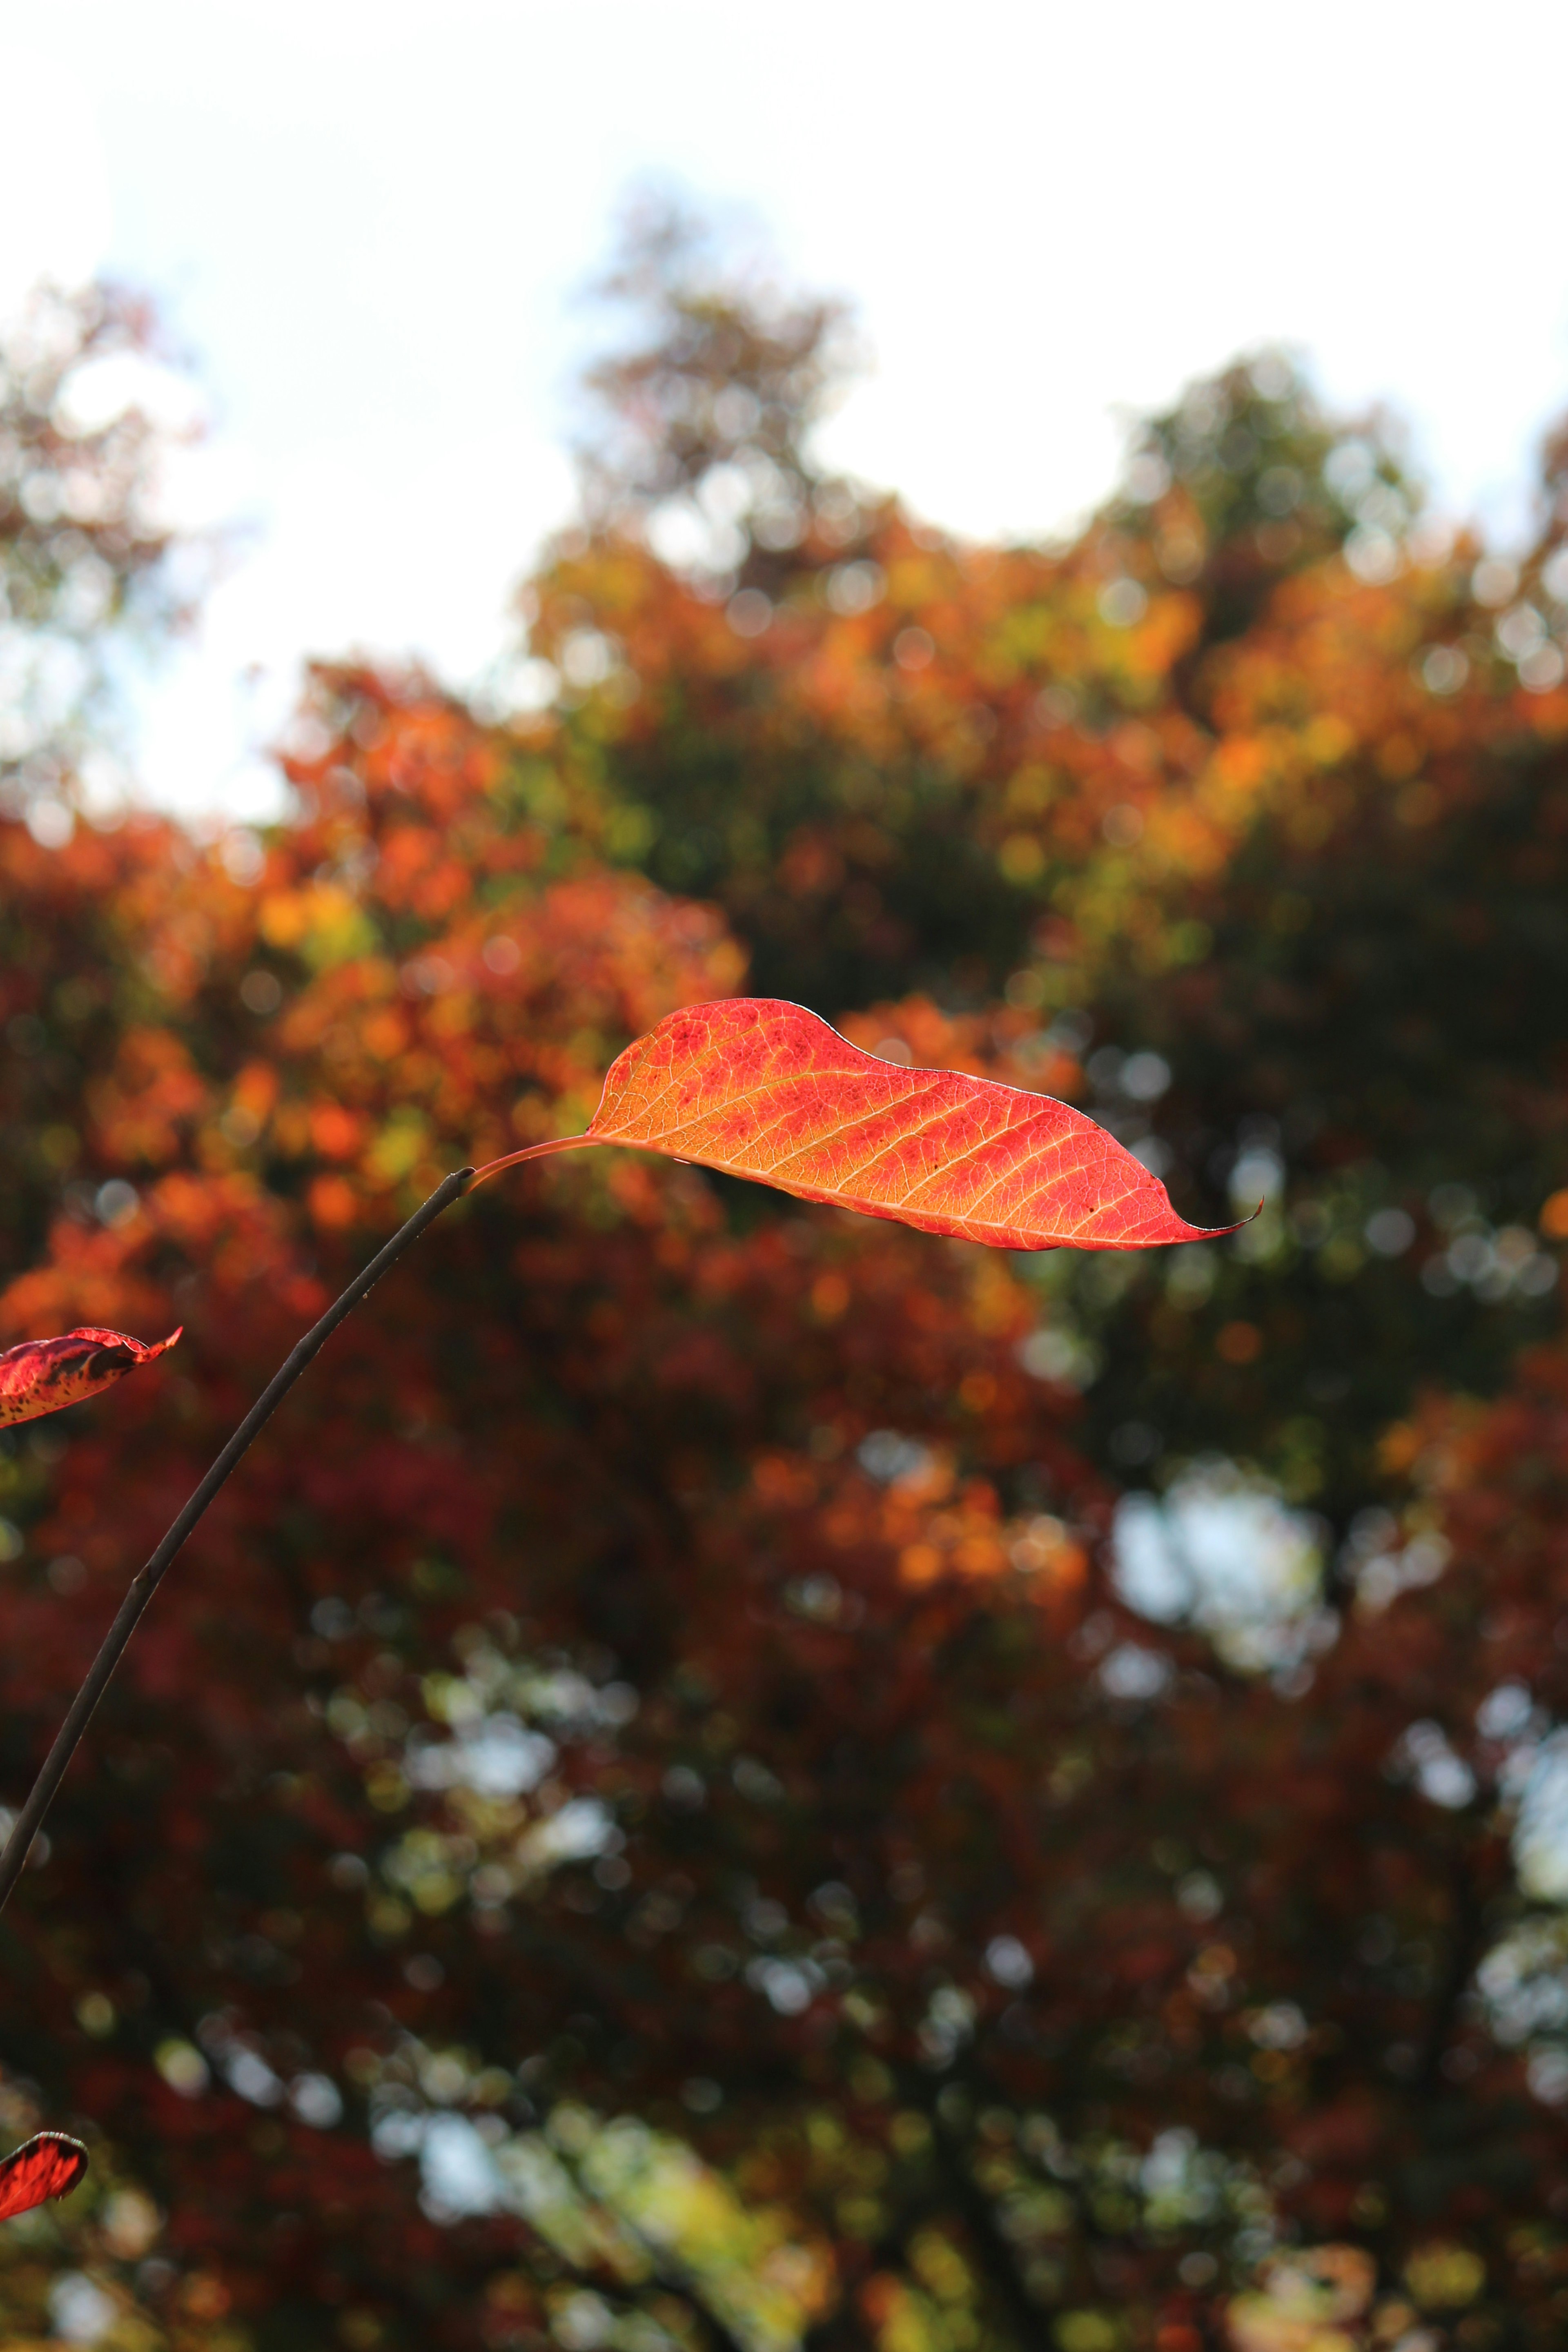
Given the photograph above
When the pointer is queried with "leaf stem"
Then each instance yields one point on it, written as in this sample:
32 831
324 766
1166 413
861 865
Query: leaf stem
143 1586
534 1151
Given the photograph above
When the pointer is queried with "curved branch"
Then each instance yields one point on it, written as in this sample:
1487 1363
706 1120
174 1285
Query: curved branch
146 1582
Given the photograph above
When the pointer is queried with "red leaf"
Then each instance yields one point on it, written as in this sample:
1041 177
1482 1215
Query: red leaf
46 1375
765 1090
49 2165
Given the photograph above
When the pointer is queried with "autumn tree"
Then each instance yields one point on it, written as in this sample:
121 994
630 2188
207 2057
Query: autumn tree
87 560
1192 788
705 426
724 1747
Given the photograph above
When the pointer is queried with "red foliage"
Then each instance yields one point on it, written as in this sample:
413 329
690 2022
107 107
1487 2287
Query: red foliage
669 1664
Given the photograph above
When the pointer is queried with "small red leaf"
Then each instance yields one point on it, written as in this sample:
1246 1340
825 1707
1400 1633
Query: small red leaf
761 1088
46 1375
49 2165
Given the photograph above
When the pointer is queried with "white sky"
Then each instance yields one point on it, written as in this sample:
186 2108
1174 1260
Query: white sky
367 220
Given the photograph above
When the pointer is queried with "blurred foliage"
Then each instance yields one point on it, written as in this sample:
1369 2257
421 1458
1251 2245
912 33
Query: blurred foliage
728 1776
87 559
707 422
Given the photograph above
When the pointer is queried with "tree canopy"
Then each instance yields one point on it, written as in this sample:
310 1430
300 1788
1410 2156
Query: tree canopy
727 1775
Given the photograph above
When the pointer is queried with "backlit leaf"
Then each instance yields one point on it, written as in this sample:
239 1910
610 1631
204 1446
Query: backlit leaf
46 1375
765 1090
49 2165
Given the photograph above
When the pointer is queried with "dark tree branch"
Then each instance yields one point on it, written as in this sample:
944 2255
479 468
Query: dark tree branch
143 1586
1467 1942
997 2258
629 2297
677 2278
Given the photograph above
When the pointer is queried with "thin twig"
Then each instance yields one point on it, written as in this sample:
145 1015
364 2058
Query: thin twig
143 1586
